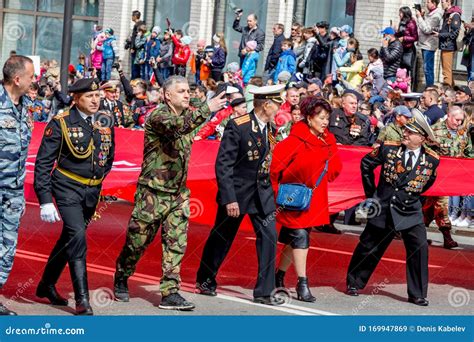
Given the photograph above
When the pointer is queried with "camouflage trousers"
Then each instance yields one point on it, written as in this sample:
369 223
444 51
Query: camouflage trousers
12 206
436 208
152 210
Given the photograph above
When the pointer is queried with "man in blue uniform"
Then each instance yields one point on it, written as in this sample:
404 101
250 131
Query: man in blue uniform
15 136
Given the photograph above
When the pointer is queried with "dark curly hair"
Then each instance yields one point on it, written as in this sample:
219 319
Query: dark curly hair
313 105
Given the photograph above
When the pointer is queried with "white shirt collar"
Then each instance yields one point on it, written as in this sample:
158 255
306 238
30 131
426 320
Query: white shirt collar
84 116
416 152
261 124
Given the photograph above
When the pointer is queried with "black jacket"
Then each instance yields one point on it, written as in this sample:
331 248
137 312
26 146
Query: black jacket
449 30
274 52
321 56
397 195
391 57
242 167
257 34
54 148
340 126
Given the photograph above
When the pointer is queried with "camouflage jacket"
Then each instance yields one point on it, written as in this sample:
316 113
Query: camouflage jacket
391 132
168 141
452 144
15 136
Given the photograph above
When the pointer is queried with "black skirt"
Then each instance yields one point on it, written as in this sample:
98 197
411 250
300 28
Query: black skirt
296 238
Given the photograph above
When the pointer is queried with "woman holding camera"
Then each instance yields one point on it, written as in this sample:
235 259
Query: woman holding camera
301 158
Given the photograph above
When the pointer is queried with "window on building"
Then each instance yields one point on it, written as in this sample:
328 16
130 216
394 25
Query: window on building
177 11
336 12
233 37
34 27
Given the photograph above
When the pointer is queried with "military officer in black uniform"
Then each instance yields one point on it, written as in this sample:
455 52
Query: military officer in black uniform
242 172
408 170
348 125
81 143
114 106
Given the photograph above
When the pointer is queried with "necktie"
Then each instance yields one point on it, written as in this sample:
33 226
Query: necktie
89 121
265 136
410 160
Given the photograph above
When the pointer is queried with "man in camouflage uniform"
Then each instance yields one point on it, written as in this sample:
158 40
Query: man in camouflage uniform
162 198
15 136
454 142
394 130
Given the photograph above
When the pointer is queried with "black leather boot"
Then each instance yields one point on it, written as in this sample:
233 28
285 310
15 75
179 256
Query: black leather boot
81 288
49 291
279 278
121 289
302 290
47 286
449 243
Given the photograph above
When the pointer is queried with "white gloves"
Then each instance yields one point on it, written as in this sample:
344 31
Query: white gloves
49 213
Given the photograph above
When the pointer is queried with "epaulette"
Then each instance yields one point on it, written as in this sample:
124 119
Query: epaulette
242 119
392 143
432 153
61 115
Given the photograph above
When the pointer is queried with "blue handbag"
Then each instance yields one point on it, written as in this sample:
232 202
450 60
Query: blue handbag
295 196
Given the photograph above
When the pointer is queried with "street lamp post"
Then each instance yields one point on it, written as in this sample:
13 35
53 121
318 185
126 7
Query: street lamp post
66 44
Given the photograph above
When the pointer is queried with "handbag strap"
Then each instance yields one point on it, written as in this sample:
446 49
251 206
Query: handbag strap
321 175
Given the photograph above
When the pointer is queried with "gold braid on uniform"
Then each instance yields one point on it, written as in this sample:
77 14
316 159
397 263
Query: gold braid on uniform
77 154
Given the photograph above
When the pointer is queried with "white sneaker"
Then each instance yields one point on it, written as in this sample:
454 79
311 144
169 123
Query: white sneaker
452 219
463 223
455 222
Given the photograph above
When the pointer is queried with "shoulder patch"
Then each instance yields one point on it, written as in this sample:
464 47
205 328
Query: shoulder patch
48 132
392 143
61 115
375 152
242 119
431 153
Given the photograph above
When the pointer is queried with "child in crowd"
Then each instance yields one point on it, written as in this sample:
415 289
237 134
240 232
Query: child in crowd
152 49
109 53
250 62
287 60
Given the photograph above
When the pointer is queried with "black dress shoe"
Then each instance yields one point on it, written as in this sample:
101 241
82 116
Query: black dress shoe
5 312
270 300
206 292
418 301
352 291
49 292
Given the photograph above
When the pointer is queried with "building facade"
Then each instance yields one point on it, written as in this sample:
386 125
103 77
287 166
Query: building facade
34 27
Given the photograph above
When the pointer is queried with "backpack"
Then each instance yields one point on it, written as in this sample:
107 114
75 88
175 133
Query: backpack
462 32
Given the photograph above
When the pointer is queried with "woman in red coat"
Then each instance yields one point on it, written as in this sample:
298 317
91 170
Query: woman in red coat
300 158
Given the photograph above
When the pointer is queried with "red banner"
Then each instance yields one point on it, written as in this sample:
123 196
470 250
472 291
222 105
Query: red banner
454 175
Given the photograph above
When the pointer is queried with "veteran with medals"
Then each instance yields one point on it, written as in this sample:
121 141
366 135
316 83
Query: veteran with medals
74 157
242 173
408 170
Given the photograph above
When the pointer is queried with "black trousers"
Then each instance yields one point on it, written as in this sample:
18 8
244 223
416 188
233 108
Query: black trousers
374 242
76 211
220 240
